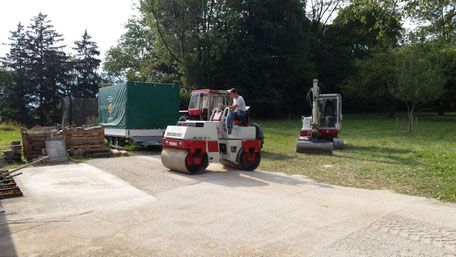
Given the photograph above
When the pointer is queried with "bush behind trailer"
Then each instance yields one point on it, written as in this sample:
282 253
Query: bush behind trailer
137 112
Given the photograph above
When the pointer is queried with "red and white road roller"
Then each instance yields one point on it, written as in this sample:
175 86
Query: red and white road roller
191 145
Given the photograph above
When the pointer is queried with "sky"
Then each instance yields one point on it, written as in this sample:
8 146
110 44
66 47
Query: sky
103 19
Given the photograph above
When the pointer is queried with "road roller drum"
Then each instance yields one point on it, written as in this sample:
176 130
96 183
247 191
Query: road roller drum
179 160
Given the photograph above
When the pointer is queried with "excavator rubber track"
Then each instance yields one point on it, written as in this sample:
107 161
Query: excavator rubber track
312 147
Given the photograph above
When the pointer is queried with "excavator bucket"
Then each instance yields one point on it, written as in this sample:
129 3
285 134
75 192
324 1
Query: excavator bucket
314 147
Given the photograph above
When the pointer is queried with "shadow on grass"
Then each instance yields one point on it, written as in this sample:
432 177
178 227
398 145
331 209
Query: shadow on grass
6 241
387 150
378 154
276 156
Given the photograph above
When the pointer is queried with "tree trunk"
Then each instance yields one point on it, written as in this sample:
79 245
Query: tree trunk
411 109
440 109
411 122
391 109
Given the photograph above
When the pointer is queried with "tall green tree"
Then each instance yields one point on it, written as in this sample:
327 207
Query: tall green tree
436 19
49 68
363 55
86 64
257 46
267 55
135 57
7 108
419 78
18 90
187 32
437 25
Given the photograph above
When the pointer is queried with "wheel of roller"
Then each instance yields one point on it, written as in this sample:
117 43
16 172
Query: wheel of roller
199 169
247 164
176 159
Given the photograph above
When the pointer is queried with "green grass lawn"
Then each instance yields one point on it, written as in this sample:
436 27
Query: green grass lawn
8 133
376 155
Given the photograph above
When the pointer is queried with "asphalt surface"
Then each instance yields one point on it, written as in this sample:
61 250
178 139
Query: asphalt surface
133 206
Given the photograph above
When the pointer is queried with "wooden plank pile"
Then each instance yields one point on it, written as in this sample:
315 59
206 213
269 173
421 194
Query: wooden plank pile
34 141
86 142
14 154
8 187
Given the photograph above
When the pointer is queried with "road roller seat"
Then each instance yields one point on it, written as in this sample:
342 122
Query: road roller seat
244 122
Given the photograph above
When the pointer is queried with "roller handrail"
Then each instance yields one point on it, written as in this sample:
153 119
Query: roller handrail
214 111
225 114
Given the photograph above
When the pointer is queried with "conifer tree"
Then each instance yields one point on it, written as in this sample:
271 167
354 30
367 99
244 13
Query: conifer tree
86 66
49 67
17 92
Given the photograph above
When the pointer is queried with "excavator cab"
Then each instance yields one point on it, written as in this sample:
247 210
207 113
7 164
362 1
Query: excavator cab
330 106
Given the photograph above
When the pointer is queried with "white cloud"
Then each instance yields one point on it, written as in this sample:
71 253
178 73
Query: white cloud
104 19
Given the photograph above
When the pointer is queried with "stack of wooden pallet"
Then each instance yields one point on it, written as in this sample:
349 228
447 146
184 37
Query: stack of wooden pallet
13 154
86 142
8 187
34 140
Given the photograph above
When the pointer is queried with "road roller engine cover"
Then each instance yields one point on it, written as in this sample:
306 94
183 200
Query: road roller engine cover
191 145
320 132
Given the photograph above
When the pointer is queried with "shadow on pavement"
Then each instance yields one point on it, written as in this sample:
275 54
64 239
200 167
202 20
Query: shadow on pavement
284 179
6 242
236 178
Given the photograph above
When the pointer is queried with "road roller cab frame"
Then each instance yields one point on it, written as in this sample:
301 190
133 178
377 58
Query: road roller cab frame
191 145
319 133
202 103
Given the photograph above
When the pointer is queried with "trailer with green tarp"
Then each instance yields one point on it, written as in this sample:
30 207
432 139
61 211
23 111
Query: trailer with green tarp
137 112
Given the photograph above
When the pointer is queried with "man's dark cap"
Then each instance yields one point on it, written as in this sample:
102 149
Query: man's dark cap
232 90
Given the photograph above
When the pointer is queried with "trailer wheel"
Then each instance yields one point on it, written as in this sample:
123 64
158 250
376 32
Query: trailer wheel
250 165
121 141
115 141
110 141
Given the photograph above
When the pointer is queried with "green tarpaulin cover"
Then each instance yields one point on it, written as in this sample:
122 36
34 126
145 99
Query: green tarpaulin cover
135 105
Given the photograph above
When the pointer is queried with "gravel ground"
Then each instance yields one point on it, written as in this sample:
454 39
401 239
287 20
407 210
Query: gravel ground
133 206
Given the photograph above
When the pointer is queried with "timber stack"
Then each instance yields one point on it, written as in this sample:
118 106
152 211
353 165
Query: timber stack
86 142
34 141
8 187
14 154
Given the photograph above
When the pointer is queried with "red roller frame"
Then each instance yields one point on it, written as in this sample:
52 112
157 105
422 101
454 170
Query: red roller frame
251 147
323 132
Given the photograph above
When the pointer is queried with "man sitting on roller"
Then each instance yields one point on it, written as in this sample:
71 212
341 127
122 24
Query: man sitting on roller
238 108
